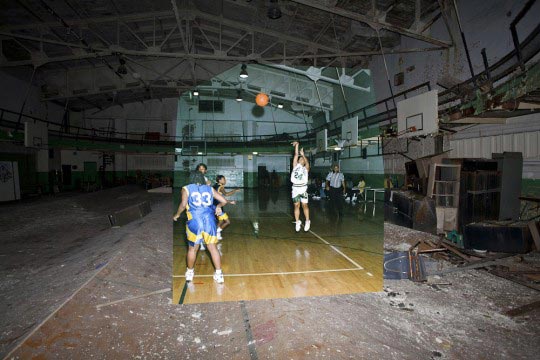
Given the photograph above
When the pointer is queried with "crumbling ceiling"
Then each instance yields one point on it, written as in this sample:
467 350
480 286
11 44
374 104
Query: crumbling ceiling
177 44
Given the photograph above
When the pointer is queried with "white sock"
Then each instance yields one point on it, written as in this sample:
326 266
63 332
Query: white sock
218 271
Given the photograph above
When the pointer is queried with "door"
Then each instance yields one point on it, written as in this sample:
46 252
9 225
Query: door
264 176
90 171
66 175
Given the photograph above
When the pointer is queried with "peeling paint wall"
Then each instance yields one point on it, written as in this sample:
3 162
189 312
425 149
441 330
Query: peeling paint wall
521 134
486 25
157 116
14 90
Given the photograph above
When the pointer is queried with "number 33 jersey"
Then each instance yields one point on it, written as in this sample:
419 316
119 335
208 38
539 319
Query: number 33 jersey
201 225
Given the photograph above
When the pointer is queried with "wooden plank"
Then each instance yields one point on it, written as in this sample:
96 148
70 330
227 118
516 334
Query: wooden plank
535 234
475 265
457 252
508 276
524 309
530 198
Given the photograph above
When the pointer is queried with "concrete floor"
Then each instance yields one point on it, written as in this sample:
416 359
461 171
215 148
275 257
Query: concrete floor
45 265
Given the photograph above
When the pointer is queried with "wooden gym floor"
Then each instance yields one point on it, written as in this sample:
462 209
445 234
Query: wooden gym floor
264 258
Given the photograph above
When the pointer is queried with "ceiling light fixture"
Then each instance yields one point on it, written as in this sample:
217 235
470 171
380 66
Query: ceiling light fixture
195 92
122 69
243 72
280 106
239 96
274 12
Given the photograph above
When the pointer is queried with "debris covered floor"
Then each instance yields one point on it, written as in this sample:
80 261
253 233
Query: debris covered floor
461 317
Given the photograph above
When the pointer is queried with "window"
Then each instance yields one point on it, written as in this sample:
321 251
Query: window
208 106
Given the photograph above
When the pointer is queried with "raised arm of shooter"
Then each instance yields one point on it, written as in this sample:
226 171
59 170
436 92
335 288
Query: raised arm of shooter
306 161
295 158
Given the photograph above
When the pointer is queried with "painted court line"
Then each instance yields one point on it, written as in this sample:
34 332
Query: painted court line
278 273
133 297
334 248
338 251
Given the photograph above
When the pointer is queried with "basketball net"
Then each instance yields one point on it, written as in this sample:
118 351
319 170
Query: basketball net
408 130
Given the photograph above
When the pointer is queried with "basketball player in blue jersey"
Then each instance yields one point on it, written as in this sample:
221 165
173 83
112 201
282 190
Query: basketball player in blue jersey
198 201
223 219
299 179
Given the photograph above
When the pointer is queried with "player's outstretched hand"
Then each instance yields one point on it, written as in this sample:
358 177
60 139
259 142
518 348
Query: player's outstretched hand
175 217
232 202
302 151
294 143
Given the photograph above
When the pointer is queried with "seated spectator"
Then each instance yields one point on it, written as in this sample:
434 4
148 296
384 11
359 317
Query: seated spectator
358 191
388 183
313 189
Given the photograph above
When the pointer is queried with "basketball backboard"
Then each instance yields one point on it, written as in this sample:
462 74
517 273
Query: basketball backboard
349 131
35 135
193 148
418 115
322 140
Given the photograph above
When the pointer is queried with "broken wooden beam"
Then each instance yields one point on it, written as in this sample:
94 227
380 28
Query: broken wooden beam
524 309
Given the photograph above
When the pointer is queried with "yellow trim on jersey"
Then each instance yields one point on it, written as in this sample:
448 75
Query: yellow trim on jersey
188 213
207 238
223 216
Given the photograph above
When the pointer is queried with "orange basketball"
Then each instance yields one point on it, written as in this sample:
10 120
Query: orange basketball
261 99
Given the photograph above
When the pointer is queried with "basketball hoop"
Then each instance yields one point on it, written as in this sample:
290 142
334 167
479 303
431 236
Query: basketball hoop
340 145
418 115
406 131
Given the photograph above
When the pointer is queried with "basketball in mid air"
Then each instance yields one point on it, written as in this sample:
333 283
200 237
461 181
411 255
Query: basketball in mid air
261 99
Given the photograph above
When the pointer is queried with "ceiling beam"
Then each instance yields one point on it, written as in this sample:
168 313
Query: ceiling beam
87 101
100 52
373 22
186 15
83 97
315 78
263 30
93 21
179 24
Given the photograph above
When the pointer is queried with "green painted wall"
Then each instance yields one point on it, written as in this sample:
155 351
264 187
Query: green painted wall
78 178
530 187
180 178
251 179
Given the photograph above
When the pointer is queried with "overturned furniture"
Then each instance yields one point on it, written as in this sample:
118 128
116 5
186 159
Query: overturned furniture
443 187
129 214
477 200
498 236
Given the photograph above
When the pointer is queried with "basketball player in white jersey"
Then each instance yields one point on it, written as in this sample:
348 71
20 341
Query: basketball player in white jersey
299 179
